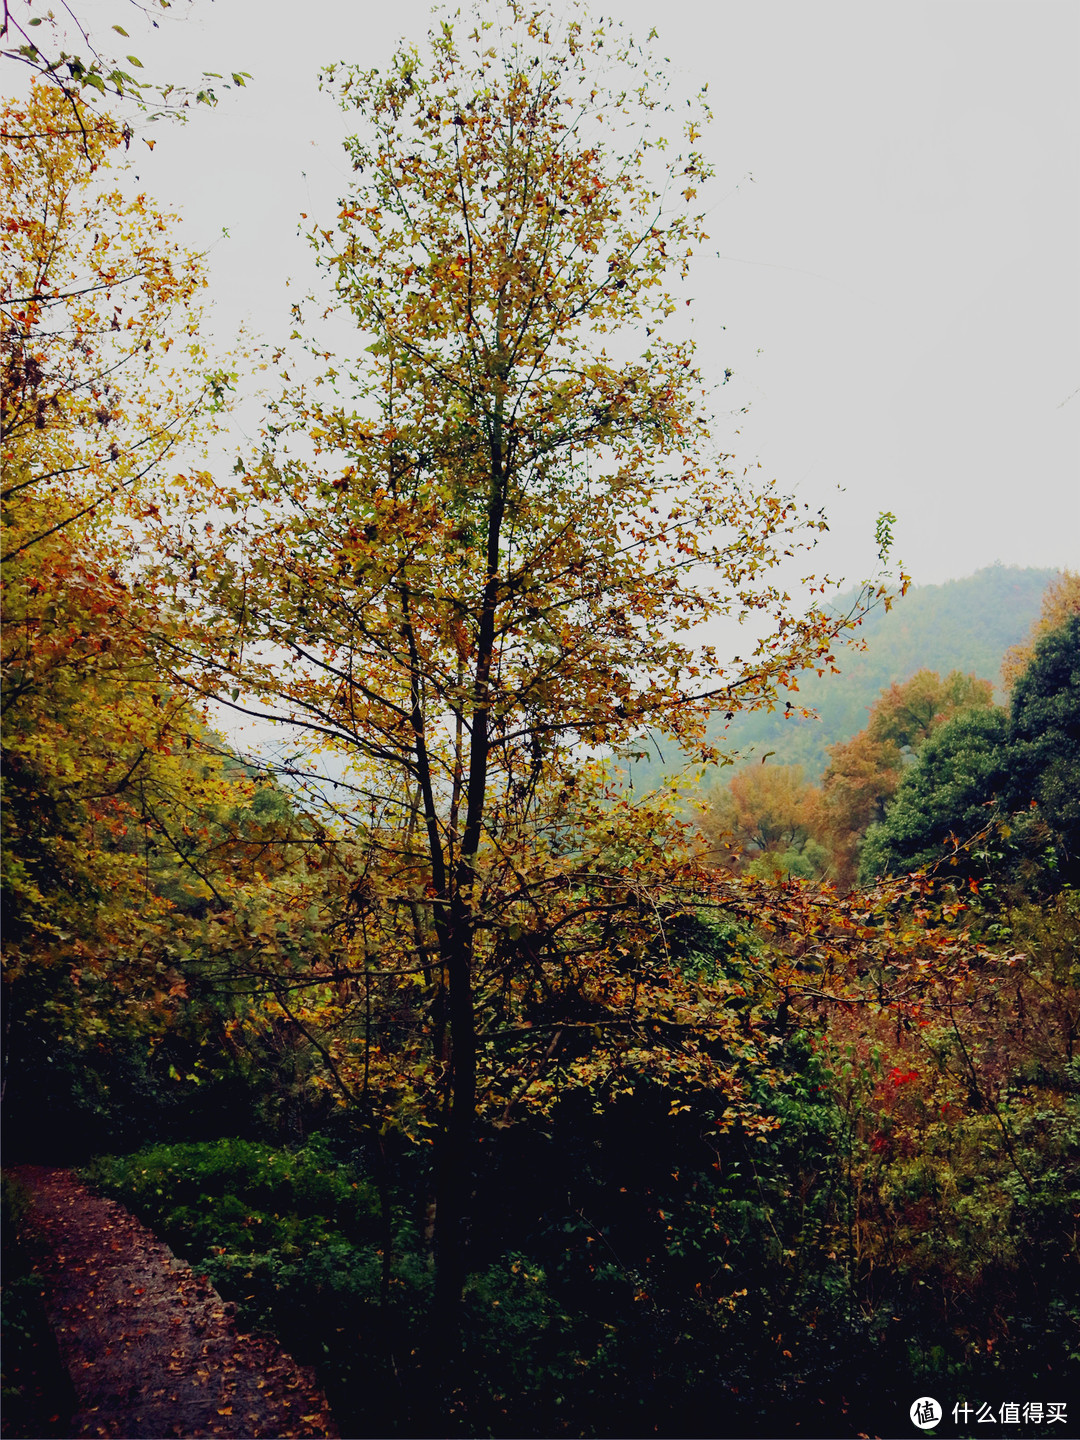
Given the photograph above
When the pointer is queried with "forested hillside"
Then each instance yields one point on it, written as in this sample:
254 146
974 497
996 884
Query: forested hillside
966 625
516 1101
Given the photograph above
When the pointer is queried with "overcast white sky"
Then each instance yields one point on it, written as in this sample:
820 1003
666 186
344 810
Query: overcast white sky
896 287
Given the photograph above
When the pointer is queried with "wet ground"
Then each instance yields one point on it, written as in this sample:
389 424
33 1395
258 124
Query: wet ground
151 1348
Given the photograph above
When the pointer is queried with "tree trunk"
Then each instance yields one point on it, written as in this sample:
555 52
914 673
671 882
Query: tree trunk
455 1159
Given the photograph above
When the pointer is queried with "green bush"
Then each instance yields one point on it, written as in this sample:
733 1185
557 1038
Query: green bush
224 1192
37 1395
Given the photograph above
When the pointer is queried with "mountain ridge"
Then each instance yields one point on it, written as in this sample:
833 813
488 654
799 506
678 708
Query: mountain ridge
965 624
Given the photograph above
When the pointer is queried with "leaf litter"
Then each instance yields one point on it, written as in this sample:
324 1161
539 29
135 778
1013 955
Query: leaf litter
151 1347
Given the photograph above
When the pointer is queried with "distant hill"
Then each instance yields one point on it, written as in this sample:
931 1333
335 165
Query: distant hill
962 625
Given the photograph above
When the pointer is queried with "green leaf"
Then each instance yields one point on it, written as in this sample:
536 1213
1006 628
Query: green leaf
134 60
121 31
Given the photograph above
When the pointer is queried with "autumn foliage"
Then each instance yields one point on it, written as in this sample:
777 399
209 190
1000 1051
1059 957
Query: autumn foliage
652 1110
483 540
112 785
99 321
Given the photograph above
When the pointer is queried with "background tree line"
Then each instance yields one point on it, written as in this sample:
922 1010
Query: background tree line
939 777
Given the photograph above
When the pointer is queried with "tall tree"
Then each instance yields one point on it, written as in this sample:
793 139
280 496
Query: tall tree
1060 601
994 791
945 802
108 784
767 820
865 772
1044 738
473 554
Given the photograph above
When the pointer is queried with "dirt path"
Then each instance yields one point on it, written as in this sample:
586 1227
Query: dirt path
150 1345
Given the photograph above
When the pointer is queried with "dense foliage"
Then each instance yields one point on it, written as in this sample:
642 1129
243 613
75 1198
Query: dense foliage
36 1389
993 790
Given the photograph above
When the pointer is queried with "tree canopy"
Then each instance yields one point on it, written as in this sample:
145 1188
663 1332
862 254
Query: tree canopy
120 809
864 773
948 795
1044 738
87 76
99 323
1061 600
767 819
988 771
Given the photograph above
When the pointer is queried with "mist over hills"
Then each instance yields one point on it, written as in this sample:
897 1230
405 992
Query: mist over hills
964 625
